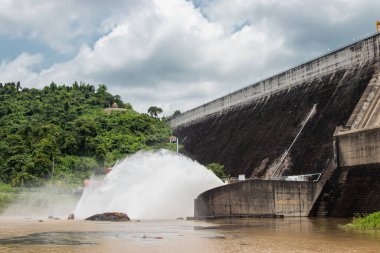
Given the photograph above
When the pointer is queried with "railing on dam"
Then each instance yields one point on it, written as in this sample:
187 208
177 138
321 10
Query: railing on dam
299 178
303 178
350 56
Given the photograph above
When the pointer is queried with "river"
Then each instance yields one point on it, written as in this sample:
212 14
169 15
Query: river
227 235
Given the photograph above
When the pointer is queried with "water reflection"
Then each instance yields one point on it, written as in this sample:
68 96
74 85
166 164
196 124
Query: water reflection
48 238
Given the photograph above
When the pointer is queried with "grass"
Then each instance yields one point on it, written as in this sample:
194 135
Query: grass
6 200
6 188
370 221
7 196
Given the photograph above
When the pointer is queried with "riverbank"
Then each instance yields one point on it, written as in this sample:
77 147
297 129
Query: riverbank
370 221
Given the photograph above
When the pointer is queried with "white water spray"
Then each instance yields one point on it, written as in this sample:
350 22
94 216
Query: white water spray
149 185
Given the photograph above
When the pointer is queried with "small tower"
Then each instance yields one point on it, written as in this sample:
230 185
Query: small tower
377 26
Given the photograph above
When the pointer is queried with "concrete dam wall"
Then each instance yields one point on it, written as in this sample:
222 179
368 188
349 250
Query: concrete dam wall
250 130
349 184
249 136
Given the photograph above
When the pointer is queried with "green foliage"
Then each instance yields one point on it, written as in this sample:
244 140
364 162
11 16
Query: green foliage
24 179
154 111
217 169
371 221
175 114
63 132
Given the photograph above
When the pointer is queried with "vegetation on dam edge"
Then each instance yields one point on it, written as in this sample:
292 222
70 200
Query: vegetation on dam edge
370 221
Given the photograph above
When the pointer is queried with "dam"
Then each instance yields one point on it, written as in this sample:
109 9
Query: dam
319 119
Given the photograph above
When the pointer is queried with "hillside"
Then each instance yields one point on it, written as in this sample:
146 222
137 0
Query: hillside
63 132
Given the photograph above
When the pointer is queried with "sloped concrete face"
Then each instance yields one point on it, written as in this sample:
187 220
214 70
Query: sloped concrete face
359 140
367 110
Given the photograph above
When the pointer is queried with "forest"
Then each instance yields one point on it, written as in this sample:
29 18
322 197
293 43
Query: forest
66 133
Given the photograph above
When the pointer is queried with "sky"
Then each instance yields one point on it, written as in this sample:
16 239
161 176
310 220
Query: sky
175 54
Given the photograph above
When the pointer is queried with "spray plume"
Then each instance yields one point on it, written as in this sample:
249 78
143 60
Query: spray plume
148 185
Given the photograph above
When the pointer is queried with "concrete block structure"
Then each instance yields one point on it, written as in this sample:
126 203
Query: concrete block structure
257 198
359 147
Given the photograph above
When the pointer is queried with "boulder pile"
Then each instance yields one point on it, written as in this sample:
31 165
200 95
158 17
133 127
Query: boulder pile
111 216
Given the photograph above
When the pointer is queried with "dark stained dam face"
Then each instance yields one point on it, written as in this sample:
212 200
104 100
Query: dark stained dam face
250 138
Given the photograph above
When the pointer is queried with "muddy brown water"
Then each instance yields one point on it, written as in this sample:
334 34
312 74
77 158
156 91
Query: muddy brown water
236 235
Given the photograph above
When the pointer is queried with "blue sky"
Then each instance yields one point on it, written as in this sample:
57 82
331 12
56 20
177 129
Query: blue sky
175 54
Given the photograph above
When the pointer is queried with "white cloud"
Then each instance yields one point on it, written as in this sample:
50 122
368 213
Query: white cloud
171 54
20 68
60 24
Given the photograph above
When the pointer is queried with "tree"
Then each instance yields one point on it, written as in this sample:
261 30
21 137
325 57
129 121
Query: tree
24 179
153 111
18 86
176 113
217 169
53 86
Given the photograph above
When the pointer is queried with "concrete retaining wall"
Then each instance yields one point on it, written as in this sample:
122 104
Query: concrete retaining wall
353 55
257 198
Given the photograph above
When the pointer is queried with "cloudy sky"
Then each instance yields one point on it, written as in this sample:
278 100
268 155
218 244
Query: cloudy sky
175 54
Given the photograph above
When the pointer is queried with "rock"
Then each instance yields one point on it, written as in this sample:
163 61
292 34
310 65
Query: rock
71 217
152 237
179 218
112 216
53 218
40 221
